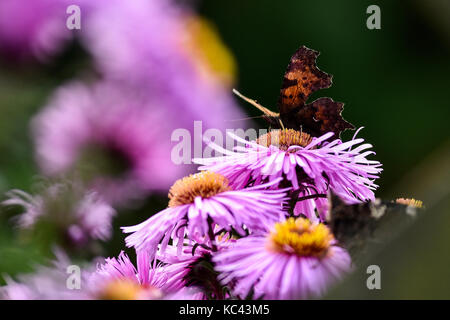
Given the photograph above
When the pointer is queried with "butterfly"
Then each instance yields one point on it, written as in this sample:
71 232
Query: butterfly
303 78
360 227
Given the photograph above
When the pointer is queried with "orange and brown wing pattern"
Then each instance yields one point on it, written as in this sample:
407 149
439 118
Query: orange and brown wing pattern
302 78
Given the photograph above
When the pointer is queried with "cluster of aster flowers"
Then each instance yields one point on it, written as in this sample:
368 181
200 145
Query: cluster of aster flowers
251 224
268 198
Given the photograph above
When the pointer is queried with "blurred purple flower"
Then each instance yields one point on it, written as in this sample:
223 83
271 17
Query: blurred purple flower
47 283
144 43
33 28
114 133
296 260
79 215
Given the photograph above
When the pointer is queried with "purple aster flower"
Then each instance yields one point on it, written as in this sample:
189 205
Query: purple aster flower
296 260
119 279
193 266
177 265
198 203
79 215
310 165
33 28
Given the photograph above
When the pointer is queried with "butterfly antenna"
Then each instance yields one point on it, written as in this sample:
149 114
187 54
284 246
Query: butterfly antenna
248 118
266 111
255 104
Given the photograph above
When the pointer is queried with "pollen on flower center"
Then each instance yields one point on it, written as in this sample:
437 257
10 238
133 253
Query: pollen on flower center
204 184
123 289
410 202
284 139
300 237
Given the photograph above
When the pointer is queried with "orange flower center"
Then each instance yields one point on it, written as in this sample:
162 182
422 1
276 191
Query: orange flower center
204 184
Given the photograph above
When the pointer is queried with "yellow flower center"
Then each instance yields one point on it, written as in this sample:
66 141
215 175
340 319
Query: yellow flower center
124 289
301 237
410 202
284 139
204 184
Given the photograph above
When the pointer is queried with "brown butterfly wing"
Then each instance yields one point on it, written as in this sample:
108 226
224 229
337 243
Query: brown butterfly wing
322 116
302 78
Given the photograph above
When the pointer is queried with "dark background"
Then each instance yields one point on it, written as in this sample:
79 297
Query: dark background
393 81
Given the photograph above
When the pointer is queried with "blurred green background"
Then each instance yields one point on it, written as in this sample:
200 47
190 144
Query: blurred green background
393 81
